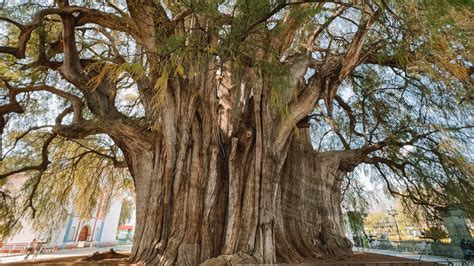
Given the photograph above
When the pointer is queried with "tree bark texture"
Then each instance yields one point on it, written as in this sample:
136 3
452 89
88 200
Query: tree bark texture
213 183
223 172
218 168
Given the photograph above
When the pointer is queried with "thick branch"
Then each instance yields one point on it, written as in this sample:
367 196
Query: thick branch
11 21
350 61
302 105
375 59
79 130
83 16
13 106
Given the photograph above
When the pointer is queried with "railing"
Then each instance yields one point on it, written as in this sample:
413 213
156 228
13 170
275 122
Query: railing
74 247
404 263
419 247
21 247
14 248
411 258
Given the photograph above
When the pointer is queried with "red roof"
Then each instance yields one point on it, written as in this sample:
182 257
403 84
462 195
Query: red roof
126 227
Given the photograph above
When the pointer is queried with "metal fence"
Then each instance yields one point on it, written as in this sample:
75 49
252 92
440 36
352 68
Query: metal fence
420 247
20 248
410 258
405 263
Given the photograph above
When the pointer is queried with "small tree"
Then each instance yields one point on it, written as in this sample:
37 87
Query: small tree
436 233
126 211
356 223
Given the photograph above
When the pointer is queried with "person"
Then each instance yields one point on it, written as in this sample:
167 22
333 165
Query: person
38 248
31 248
370 238
467 247
356 240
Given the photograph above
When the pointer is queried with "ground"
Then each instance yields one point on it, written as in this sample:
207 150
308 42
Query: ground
355 259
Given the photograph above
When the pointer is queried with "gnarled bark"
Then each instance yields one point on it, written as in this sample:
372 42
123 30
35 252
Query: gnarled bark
309 206
209 197
220 169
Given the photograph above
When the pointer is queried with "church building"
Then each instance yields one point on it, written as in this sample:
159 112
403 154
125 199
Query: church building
98 230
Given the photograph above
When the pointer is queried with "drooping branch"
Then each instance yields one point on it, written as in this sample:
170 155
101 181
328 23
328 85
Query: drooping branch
409 195
415 137
117 163
22 135
408 60
352 120
42 166
391 163
431 189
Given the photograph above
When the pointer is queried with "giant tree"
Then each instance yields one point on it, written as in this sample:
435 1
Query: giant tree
239 120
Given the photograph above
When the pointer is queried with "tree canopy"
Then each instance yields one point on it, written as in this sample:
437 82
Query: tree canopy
392 79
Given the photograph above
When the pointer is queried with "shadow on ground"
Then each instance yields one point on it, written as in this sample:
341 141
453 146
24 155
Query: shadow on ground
112 258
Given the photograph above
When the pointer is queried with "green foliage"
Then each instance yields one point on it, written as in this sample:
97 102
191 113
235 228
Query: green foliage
436 233
354 195
8 214
78 175
126 211
277 78
377 221
356 221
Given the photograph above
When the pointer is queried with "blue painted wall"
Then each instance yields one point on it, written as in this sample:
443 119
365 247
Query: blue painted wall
68 228
101 229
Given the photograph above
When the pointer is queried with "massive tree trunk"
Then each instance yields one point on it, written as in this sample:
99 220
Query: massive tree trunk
213 183
221 160
211 203
218 173
309 218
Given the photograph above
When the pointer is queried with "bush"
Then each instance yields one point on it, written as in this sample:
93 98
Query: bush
436 233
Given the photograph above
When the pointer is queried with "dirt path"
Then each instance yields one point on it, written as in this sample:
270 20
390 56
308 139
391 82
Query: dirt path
358 259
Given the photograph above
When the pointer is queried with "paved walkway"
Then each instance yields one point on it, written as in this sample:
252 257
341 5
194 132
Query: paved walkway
410 255
75 253
89 251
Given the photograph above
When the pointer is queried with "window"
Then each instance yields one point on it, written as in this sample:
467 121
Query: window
70 237
97 234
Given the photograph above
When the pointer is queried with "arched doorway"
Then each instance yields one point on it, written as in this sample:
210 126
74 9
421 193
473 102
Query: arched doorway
84 233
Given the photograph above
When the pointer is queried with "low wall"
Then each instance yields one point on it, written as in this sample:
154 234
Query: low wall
447 250
420 247
404 246
21 247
